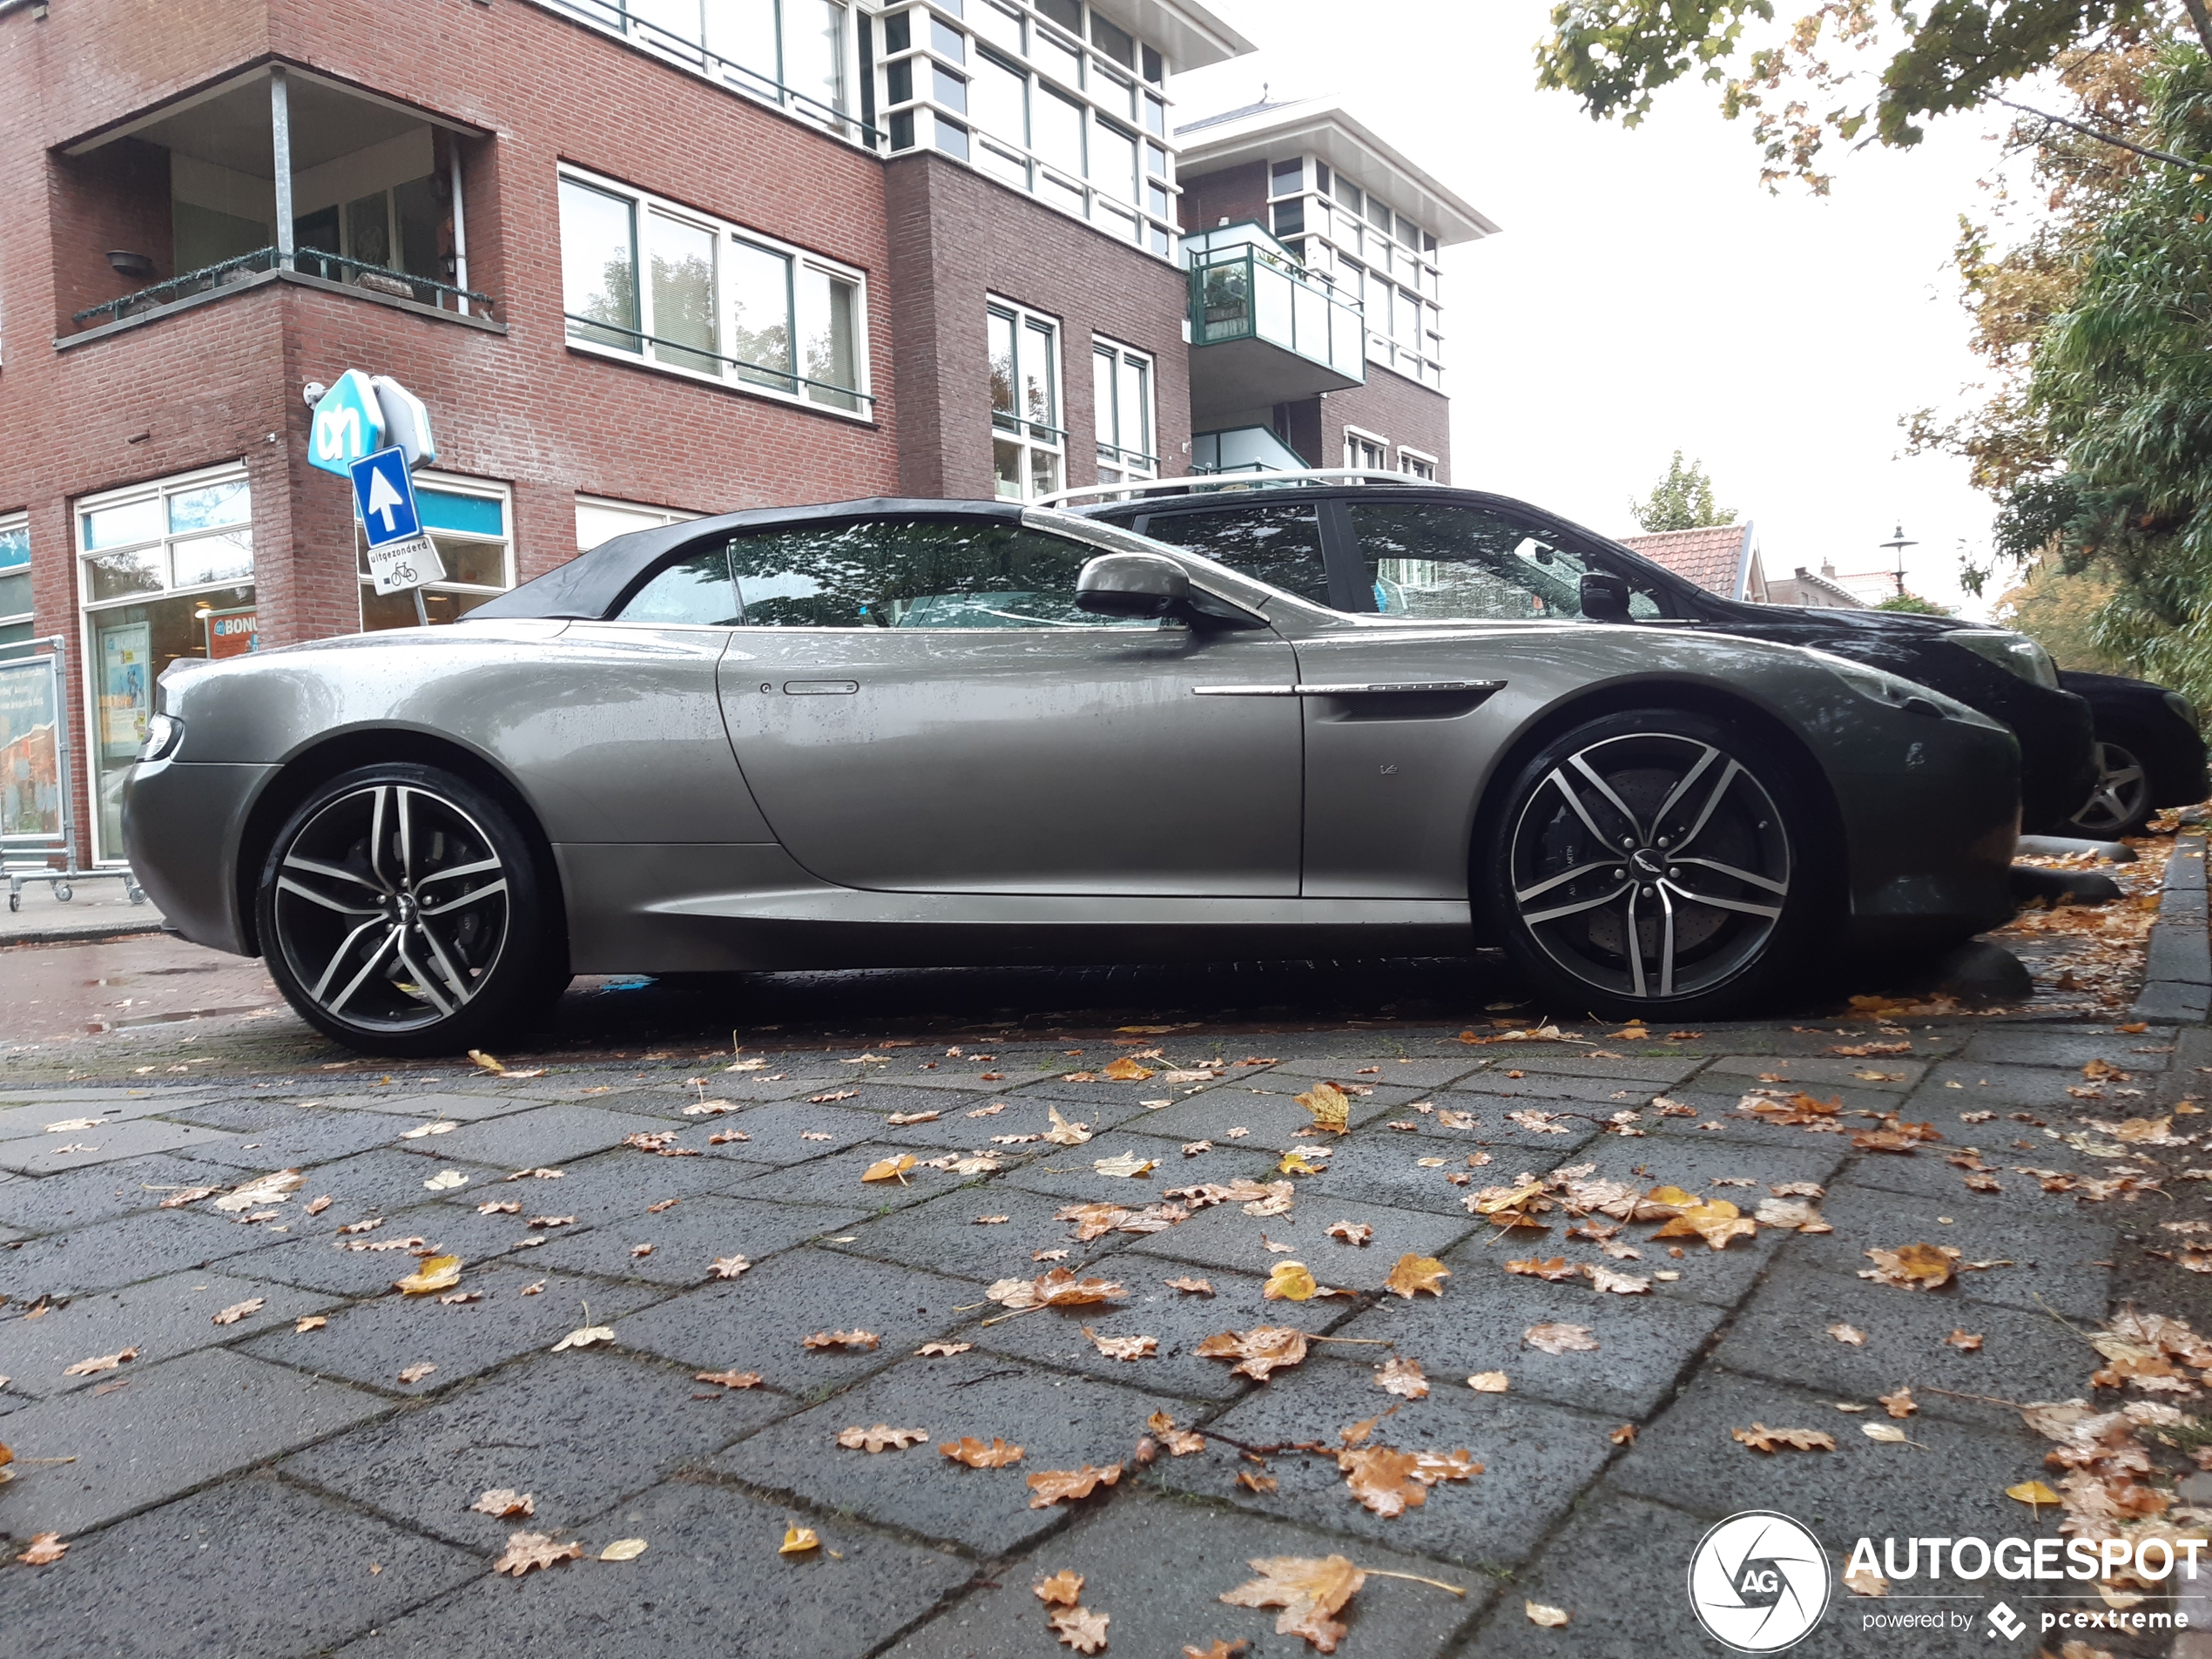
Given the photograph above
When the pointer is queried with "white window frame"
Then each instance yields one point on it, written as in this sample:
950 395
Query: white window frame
923 121
647 516
643 204
1123 464
10 521
453 483
89 610
1374 441
1385 258
1017 429
1411 461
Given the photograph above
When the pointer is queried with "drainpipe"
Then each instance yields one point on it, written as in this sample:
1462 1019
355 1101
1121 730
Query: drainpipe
280 135
460 227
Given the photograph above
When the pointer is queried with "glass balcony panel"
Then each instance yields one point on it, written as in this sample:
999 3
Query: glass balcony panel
1271 292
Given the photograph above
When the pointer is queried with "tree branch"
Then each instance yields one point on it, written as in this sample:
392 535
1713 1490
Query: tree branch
2087 131
2203 20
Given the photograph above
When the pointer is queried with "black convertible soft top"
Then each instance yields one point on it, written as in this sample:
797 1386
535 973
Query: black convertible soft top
594 586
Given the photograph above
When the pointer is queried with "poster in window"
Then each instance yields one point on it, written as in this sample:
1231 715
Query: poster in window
31 797
127 688
233 633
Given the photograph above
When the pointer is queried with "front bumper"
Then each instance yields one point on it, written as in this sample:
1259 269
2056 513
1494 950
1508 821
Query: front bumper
1931 841
184 823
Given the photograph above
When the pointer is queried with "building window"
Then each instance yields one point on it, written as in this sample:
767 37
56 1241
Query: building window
1365 452
1414 464
1376 257
649 281
471 523
795 54
1122 389
15 578
1048 112
165 569
600 520
1028 442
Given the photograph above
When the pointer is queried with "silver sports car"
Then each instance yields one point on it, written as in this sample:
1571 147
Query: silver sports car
898 734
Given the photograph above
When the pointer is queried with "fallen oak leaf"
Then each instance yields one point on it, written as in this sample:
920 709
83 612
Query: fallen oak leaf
1963 1340
863 1339
528 1549
104 1362
1264 1349
311 1322
1081 1628
499 1207
1607 1280
1560 1338
1063 1589
1330 1106
976 1456
1310 1590
1128 1165
1414 1273
1922 1267
1352 1232
729 1378
1124 1347
1760 1438
585 1337
438 1273
1219 1650
1488 1382
1848 1333
1261 1484
1402 1377
1900 1404
1554 1270
415 1373
238 1311
1048 1486
504 1503
1180 1442
46 1548
1063 1133
1290 1282
1190 1286
1552 1618
1057 1287
942 1349
797 1540
901 1119
882 1436
727 1266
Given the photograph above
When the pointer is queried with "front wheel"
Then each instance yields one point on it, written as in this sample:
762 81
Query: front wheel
401 912
2120 804
1653 863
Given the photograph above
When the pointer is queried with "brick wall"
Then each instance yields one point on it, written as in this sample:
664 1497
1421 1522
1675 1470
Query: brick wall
1389 406
957 238
1234 193
116 197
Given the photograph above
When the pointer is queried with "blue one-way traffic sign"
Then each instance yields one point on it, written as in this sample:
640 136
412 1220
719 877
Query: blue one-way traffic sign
384 495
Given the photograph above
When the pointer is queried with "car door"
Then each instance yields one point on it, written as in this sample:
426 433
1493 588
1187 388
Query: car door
919 705
1445 559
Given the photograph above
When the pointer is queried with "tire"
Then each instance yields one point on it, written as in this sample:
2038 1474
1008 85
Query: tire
2119 804
1731 920
402 912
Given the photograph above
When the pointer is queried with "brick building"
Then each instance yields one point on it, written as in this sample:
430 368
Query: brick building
643 259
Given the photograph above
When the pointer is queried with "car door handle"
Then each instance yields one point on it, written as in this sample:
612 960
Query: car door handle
1391 688
820 688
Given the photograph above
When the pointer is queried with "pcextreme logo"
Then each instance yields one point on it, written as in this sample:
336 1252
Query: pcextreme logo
1759 1581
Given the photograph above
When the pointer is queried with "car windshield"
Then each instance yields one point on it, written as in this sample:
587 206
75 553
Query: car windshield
1445 559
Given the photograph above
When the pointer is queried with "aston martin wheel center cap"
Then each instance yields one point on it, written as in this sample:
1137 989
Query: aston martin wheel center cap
1648 864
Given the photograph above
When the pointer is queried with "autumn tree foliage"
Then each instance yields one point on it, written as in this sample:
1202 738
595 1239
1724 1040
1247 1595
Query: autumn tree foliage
1681 501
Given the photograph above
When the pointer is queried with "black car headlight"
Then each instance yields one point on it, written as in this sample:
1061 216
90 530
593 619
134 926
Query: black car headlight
2184 709
164 733
2016 653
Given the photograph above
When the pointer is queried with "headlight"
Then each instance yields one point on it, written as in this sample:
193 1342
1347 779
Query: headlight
1889 689
2184 709
164 733
2015 653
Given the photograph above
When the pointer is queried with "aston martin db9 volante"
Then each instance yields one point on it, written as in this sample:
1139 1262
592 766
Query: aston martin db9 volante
892 732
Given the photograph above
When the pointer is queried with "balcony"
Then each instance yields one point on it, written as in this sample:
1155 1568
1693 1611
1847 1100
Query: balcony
1244 448
1263 332
275 175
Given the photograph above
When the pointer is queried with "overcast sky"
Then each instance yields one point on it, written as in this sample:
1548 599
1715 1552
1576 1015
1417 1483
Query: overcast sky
1646 293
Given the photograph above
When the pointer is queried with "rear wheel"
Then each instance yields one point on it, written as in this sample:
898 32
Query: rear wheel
2120 804
1654 863
401 913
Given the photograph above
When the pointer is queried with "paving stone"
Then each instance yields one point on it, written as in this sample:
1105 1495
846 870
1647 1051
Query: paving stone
1816 1073
1593 1097
1069 1172
778 1132
1988 1083
304 1138
669 1100
380 1181
1386 1169
578 1431
1930 1173
2055 1259
161 1319
540 1136
179 1426
1782 1334
58 1202
371 1342
2071 1047
1570 1128
1954 1488
1180 1320
122 1252
467 1108
942 1234
687 1238
711 1583
1157 1568
608 1186
1271 1114
1626 1070
1536 1457
1225 1236
756 1323
834 1179
1426 1073
1645 1343
221 1572
959 1077
53 1154
21 1117
1061 1422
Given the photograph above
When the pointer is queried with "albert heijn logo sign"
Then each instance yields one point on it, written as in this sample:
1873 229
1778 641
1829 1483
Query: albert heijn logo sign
361 414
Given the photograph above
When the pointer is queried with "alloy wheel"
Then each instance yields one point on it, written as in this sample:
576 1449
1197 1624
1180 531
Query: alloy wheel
2117 803
392 907
1651 866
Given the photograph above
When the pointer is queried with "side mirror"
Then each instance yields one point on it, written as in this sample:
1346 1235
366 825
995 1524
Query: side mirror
1132 584
1605 596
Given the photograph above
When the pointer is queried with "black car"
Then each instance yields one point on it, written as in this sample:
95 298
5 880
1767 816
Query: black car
1375 544
2150 753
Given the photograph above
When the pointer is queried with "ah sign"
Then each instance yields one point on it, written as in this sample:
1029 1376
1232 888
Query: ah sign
349 424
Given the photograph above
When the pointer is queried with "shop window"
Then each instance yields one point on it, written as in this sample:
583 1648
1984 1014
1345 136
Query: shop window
600 520
15 578
471 524
164 570
1029 441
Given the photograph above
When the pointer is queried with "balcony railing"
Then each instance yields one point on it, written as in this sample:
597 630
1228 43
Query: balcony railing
334 267
1245 290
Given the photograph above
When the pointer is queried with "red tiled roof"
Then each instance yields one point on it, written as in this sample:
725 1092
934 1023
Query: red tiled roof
1713 558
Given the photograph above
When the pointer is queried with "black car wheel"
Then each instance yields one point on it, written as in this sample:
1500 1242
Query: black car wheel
401 913
1653 863
2120 804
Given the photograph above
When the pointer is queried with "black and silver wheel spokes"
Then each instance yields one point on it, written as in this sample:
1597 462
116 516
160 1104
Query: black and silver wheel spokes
2118 796
391 907
1653 864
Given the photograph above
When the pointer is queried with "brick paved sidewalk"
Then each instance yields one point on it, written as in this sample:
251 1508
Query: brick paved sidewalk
254 1488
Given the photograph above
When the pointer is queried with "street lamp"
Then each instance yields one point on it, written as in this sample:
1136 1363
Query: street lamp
1897 544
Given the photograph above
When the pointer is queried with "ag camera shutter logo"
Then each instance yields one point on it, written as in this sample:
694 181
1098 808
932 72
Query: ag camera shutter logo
1759 1581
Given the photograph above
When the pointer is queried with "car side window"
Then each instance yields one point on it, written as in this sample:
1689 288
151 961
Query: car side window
914 573
696 591
1279 546
1436 559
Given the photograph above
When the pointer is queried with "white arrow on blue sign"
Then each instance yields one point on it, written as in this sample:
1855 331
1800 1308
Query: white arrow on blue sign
349 424
384 495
